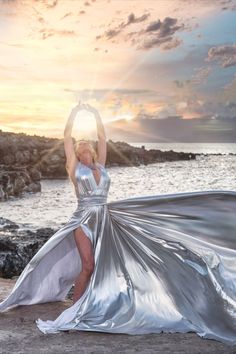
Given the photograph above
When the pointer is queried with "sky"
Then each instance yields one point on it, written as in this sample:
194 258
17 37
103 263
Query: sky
156 70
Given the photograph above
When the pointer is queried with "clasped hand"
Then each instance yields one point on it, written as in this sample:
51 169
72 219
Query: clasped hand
87 106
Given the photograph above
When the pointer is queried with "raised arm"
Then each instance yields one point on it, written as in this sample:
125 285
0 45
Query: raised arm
102 144
71 158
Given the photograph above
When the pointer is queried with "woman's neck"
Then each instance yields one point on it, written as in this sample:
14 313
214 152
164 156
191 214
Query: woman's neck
90 164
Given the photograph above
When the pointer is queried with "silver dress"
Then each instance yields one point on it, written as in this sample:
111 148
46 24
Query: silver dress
162 263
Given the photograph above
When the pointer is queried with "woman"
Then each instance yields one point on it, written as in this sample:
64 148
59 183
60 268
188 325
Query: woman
85 153
148 264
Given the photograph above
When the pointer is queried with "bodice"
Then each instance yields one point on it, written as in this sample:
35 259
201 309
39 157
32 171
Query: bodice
86 184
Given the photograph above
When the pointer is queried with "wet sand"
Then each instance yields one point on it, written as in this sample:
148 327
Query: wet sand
19 334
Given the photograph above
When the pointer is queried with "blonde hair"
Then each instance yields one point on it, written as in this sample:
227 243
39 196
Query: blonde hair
93 151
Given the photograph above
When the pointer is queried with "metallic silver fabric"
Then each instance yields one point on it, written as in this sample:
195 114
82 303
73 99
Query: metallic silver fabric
162 263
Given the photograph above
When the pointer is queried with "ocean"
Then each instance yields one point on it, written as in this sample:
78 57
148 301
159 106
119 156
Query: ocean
53 206
197 148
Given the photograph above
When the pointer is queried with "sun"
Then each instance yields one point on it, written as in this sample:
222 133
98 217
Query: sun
126 116
84 123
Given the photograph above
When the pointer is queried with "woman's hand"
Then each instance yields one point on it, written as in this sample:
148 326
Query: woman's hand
91 109
78 108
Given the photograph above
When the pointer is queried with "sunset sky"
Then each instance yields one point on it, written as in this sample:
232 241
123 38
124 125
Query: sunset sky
156 70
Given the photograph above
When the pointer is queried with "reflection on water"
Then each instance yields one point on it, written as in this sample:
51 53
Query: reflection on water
198 148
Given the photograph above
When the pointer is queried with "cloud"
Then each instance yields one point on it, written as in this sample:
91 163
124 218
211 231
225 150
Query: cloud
168 110
174 129
66 15
229 5
220 4
181 84
161 32
231 87
155 42
49 4
155 34
52 32
13 44
224 54
113 32
210 107
173 43
201 75
165 28
231 106
99 93
133 19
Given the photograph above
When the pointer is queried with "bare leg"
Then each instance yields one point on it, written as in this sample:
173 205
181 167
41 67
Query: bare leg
85 249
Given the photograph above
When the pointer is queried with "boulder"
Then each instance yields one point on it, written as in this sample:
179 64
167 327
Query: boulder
18 245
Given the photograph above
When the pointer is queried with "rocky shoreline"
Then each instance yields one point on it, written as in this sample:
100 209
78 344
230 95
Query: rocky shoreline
18 245
26 159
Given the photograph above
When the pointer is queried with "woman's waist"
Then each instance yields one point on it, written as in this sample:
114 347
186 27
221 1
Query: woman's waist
88 200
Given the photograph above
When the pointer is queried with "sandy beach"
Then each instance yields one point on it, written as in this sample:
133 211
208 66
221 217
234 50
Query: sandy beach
19 334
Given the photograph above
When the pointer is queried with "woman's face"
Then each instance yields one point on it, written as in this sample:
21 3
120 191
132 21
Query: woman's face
82 147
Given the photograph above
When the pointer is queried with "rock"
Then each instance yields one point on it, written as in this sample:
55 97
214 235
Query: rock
19 184
14 181
32 188
7 224
18 246
8 159
2 193
35 174
127 155
19 157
